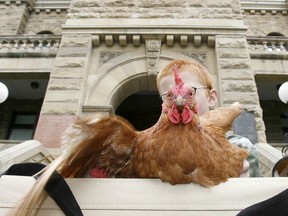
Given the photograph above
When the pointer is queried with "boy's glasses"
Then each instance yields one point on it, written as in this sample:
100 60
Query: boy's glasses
163 97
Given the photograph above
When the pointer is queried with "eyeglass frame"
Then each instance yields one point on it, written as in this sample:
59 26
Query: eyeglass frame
194 91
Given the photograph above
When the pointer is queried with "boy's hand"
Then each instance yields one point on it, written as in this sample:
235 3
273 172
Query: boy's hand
245 171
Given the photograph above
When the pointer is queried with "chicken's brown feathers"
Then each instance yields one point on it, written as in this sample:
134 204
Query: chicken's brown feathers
222 117
109 148
198 153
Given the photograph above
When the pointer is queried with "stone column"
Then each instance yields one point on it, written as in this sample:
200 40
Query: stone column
64 97
236 78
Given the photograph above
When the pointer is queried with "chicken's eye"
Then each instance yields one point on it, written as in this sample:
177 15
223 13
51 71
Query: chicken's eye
169 96
166 96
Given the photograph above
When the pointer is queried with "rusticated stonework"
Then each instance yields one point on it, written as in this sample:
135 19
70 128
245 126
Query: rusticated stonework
155 9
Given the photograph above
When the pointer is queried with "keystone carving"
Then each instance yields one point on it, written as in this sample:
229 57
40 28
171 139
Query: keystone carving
153 48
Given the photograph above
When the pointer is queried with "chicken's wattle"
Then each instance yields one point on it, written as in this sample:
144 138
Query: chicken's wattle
186 115
175 117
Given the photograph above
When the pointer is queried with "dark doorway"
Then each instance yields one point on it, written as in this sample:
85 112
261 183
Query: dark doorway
275 112
141 109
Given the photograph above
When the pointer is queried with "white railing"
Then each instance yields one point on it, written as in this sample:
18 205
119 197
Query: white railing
268 44
25 45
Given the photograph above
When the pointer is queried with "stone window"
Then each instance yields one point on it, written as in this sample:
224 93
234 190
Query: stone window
44 32
22 126
277 34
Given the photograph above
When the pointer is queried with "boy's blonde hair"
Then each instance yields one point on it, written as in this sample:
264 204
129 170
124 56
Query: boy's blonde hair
187 65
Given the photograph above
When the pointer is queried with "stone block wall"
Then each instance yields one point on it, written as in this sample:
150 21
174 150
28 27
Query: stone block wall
13 17
64 97
236 78
46 20
258 25
66 80
198 9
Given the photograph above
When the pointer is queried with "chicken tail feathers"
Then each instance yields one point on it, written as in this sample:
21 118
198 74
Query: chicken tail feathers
104 143
28 205
100 143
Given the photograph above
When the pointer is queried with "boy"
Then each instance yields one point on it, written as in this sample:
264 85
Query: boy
196 75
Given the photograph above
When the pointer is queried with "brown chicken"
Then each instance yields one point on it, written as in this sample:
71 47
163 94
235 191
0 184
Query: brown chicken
179 148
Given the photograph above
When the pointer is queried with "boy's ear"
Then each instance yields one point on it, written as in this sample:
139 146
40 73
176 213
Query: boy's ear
213 99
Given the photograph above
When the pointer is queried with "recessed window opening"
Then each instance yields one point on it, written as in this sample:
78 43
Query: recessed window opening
44 32
22 126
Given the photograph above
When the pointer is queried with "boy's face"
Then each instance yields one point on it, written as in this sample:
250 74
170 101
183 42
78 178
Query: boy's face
203 99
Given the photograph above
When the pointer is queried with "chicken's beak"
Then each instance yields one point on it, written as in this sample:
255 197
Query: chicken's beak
180 103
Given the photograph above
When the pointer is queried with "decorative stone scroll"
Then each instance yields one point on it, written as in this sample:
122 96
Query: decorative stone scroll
106 56
200 57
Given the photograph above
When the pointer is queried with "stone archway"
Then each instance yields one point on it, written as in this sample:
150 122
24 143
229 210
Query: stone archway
116 80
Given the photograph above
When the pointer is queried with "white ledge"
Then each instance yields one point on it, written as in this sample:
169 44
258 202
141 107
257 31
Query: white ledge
21 153
150 196
151 26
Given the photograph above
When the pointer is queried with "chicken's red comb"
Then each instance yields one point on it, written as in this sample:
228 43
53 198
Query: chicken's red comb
178 79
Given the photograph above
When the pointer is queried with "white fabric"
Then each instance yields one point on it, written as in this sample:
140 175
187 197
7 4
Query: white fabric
150 196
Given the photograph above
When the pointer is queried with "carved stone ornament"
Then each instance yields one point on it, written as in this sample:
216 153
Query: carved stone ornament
106 56
153 48
200 57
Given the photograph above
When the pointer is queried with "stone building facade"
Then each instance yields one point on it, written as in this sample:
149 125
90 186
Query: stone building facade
94 56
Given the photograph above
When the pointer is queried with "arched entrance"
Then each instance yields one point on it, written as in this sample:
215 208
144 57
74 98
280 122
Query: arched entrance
124 87
142 109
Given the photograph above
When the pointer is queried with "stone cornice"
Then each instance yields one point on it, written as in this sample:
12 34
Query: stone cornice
50 9
169 31
48 6
145 25
154 26
168 39
53 4
268 38
29 37
30 3
264 7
